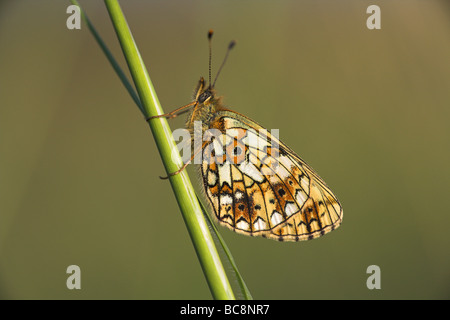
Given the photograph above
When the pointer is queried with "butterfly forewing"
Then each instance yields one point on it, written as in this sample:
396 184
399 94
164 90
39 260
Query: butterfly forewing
259 192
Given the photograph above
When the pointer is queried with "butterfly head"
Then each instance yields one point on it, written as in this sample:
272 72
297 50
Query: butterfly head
204 94
204 105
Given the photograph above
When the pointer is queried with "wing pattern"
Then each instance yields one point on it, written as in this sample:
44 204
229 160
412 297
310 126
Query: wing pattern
258 186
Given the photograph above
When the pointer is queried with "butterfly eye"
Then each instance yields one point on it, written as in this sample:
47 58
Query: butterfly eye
204 96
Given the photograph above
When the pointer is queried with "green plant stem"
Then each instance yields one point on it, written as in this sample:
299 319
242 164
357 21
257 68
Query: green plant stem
243 290
181 185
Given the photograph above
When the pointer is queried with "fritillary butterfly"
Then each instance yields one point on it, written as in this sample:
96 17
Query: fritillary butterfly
247 192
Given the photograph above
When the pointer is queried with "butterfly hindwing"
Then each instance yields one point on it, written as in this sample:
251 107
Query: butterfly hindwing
258 192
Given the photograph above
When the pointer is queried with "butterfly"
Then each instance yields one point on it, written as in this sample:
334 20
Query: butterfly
256 185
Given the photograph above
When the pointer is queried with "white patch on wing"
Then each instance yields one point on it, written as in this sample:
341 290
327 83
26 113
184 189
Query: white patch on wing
250 170
238 195
285 161
204 167
300 197
260 224
290 208
242 225
218 148
225 199
224 174
282 172
276 218
304 183
256 141
212 178
252 158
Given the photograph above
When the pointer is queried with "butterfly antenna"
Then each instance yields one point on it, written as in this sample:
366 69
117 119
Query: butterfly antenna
230 46
210 34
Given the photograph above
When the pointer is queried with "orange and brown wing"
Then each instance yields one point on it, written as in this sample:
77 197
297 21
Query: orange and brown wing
257 192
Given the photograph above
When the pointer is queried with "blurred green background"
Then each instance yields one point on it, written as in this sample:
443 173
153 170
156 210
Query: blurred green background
368 109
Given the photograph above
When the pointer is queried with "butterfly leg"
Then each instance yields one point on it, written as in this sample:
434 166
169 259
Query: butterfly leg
174 113
176 172
185 165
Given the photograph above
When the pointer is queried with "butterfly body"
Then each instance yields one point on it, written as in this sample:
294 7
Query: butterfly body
255 184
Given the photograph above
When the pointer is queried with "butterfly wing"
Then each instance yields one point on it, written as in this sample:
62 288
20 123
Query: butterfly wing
257 192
